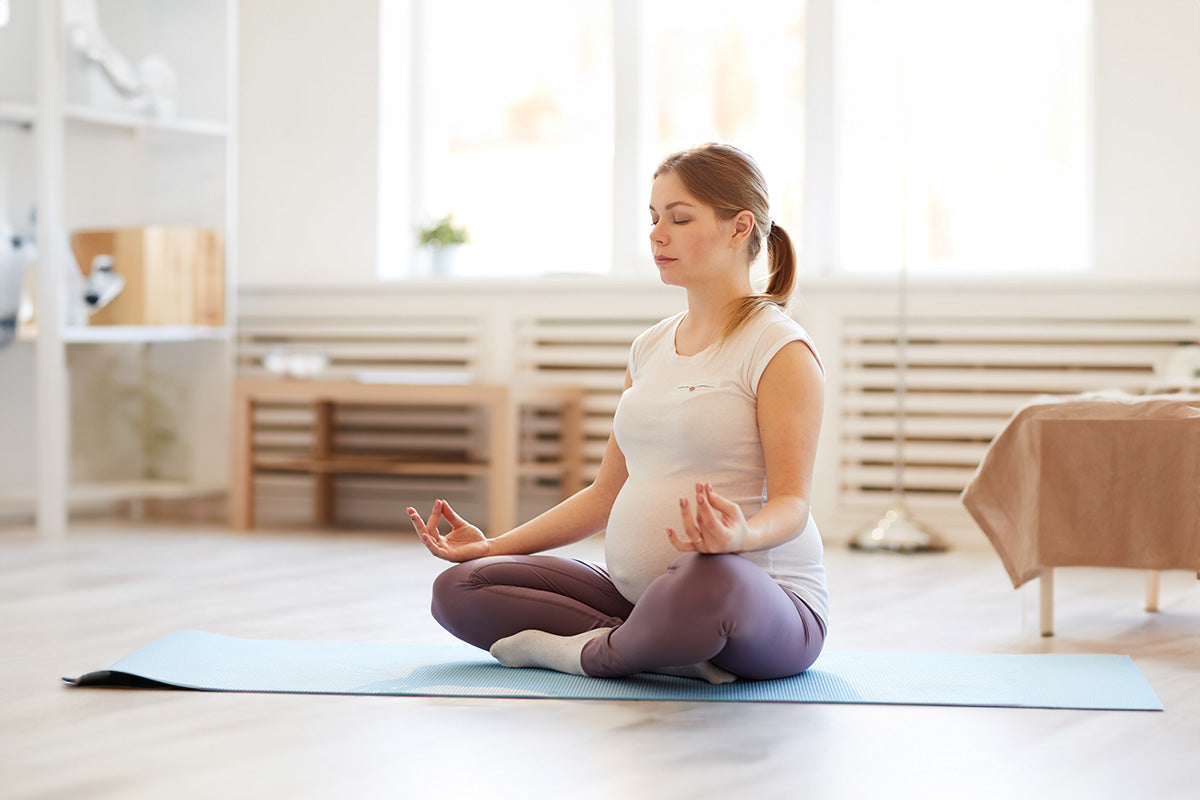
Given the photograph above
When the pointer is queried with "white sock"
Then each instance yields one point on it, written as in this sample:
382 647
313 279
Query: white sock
534 648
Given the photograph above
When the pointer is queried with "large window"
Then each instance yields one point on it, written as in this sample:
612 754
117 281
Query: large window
538 123
963 135
956 137
517 118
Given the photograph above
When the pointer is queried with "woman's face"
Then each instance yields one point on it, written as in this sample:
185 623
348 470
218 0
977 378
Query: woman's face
690 244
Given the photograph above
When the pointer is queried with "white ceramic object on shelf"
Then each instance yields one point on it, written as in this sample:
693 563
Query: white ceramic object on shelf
295 363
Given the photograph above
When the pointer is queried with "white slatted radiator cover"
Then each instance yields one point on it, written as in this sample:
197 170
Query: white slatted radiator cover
589 352
966 376
977 352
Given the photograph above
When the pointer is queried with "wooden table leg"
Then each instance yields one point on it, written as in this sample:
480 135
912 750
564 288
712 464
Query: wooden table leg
1152 585
1046 590
241 472
324 503
502 464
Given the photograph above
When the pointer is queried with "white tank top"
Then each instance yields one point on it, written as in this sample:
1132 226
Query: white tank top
689 419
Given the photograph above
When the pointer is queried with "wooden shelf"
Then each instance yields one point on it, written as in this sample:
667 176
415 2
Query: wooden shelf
325 462
501 469
346 464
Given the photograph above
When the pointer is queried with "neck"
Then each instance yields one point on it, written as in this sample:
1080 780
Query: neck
708 310
709 302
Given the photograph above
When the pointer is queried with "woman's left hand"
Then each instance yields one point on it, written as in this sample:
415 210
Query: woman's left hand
716 526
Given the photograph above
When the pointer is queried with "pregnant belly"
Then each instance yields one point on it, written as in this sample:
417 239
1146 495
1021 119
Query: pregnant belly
636 547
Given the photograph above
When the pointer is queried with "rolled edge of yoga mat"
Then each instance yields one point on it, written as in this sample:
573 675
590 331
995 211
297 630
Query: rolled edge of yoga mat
108 677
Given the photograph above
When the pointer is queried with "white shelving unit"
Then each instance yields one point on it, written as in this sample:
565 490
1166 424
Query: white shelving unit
84 164
20 114
130 122
144 334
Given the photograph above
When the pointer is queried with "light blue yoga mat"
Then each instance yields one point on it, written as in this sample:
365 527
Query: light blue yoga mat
197 660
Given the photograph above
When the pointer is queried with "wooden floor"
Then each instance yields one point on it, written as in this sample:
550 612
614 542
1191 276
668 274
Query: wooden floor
78 604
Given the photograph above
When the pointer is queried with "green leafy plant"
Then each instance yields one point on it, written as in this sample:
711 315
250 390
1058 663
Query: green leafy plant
443 233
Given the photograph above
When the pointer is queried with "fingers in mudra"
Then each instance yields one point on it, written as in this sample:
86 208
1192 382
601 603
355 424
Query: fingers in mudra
463 542
422 527
418 524
428 529
681 541
713 527
691 538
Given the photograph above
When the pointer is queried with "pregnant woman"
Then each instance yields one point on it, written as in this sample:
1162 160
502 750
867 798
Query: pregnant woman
713 563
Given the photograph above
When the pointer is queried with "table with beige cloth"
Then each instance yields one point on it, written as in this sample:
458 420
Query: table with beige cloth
1093 480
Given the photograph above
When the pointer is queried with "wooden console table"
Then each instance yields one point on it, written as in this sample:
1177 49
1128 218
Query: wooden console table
500 464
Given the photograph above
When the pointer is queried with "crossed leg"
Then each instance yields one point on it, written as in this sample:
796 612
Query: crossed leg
567 615
491 598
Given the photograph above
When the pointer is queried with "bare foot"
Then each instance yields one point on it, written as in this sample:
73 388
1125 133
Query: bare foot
705 671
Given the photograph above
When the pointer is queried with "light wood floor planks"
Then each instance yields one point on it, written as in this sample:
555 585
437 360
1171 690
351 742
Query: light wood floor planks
79 604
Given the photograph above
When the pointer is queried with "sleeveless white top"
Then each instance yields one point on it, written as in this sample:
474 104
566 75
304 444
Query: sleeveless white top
690 419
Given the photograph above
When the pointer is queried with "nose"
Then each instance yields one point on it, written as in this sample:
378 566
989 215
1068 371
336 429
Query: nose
658 234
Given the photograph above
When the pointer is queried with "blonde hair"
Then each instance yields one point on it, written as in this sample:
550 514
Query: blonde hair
729 180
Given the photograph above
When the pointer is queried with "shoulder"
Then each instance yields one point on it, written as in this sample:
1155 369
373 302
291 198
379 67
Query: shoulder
662 327
657 332
770 331
774 321
652 338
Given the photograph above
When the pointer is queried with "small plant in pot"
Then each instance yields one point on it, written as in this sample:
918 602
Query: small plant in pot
443 238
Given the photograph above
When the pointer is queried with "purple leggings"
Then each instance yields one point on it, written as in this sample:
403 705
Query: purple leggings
718 608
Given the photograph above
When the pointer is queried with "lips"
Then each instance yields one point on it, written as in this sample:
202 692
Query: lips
662 261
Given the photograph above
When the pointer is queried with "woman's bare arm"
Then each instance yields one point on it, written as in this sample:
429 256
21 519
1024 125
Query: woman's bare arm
581 515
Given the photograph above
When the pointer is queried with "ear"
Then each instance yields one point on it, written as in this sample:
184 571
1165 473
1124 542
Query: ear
743 226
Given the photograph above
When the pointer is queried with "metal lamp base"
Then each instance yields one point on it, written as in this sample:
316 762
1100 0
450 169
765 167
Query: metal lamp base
898 532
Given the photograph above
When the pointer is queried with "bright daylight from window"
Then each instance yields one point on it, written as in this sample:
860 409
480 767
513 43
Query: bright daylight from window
961 128
963 135
519 132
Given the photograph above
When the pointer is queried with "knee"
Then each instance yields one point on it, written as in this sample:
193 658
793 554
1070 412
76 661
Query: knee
453 578
450 590
711 579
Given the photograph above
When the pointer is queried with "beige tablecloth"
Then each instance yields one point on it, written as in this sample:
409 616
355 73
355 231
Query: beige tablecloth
1102 481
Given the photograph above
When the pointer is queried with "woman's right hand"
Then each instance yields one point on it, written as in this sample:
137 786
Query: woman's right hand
464 542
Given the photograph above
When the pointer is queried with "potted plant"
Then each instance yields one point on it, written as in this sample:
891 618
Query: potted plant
443 238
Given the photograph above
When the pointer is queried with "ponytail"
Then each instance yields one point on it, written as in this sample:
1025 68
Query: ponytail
781 258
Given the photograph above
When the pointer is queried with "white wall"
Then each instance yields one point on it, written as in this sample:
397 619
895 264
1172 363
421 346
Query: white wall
308 121
1147 112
